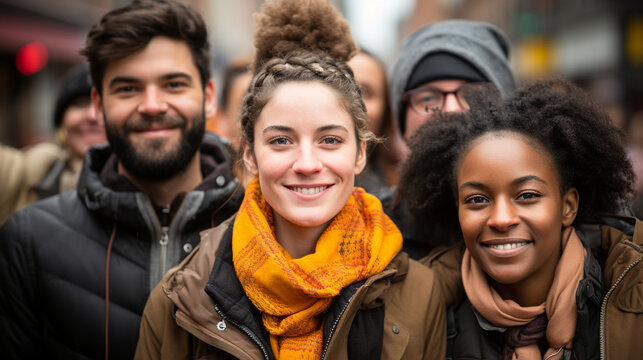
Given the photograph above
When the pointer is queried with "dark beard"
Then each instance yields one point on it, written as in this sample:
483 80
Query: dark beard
151 163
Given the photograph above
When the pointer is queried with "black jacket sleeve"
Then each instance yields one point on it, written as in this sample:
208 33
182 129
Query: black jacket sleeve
20 327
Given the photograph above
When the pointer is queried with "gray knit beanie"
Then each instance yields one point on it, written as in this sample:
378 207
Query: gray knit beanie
481 45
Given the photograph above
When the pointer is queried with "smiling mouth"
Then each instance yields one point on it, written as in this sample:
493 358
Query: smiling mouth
508 246
308 190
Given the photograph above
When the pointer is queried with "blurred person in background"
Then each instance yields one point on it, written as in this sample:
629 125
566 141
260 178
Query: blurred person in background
381 170
46 169
430 71
77 268
225 123
236 78
437 60
635 153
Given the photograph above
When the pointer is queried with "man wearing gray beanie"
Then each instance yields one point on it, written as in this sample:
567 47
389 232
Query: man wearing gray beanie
431 69
437 60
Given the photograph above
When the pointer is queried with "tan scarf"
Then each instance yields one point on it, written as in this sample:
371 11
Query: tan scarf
294 294
560 305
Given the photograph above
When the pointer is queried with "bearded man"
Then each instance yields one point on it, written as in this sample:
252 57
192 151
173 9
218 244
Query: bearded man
76 269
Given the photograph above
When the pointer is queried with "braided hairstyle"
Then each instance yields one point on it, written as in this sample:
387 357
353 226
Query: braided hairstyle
302 40
587 149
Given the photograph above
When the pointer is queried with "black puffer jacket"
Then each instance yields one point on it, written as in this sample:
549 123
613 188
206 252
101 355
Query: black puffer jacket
53 260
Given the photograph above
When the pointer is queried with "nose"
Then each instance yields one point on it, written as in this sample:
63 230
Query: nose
503 215
307 161
451 104
152 102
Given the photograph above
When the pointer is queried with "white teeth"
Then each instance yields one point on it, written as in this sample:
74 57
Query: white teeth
508 246
309 191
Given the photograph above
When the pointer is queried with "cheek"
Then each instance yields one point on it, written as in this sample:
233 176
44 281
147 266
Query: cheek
374 113
117 112
72 118
472 224
271 165
413 122
188 105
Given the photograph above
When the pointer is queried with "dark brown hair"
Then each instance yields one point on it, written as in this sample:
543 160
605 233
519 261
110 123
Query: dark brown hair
126 30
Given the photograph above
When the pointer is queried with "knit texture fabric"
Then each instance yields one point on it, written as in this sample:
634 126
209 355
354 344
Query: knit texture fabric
483 45
294 294
560 304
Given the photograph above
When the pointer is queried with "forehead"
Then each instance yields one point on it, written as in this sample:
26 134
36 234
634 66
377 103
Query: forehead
161 56
365 67
304 105
506 153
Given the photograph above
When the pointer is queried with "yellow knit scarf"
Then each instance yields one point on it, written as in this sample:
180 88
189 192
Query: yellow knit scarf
294 294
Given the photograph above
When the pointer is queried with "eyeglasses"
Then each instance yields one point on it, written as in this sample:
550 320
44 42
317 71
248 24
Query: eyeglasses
426 100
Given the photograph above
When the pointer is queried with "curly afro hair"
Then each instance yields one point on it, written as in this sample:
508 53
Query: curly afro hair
586 147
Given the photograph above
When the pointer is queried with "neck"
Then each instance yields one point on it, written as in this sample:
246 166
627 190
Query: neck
533 290
163 192
298 241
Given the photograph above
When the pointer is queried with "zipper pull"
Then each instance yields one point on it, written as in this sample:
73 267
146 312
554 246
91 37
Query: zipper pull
163 242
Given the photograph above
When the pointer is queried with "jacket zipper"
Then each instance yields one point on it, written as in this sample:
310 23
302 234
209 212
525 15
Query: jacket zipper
332 329
604 305
165 238
163 241
243 328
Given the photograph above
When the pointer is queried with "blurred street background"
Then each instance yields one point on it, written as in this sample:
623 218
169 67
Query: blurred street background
596 43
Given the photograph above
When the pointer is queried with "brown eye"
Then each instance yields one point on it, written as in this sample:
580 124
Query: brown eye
528 196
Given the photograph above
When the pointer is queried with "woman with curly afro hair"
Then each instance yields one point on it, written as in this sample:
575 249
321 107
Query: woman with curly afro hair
310 266
514 181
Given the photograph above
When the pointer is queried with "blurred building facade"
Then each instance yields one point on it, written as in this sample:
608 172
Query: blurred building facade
595 43
598 44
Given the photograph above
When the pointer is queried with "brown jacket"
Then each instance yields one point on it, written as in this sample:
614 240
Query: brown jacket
621 315
180 321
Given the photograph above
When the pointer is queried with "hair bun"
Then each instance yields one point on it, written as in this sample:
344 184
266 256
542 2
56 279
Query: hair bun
286 26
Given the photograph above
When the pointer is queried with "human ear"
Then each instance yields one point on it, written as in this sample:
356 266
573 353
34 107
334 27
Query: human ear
570 206
97 103
249 158
210 99
360 162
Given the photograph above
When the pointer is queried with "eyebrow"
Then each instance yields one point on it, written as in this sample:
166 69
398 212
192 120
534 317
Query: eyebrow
131 79
289 129
332 127
278 128
519 180
122 79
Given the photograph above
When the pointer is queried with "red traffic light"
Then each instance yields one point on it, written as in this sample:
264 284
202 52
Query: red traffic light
31 58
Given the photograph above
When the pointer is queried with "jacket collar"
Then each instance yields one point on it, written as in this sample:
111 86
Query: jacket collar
103 190
184 286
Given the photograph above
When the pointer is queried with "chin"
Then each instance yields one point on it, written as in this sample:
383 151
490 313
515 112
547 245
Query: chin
309 221
506 277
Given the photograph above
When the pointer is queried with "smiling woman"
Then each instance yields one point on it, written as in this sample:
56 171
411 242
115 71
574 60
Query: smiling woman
514 181
306 169
309 268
